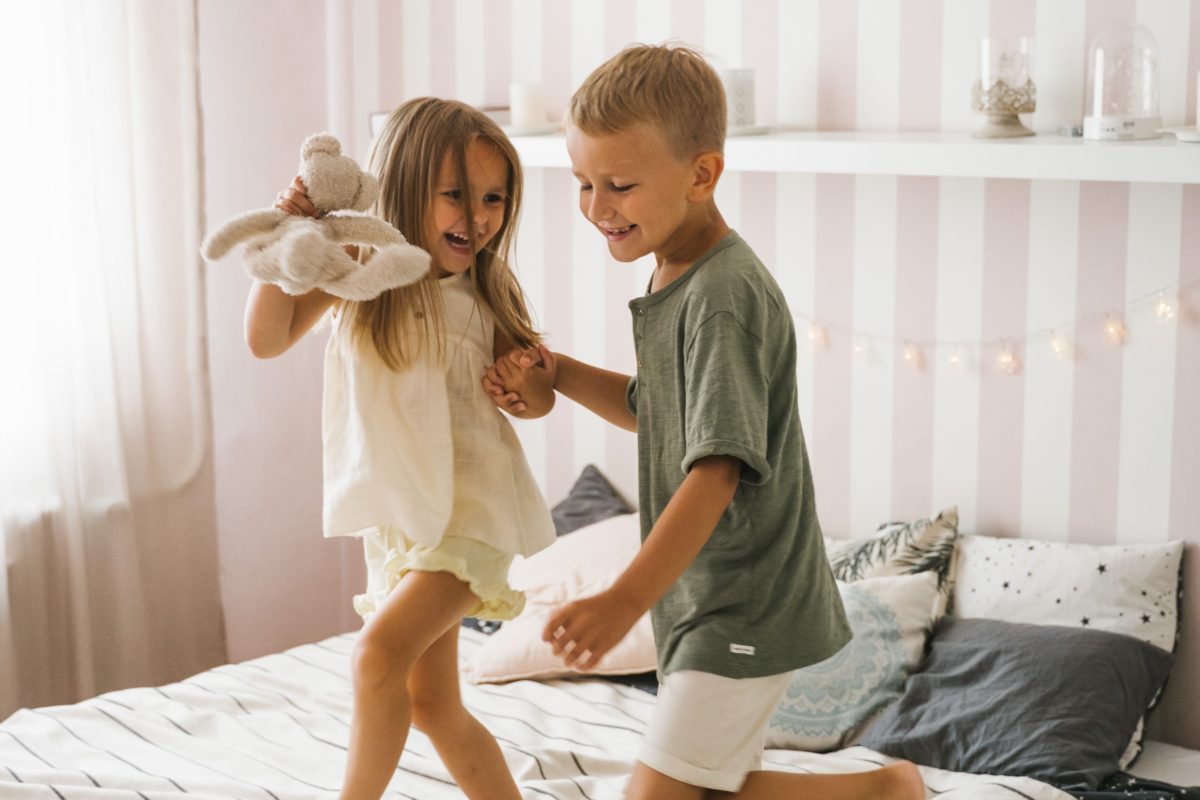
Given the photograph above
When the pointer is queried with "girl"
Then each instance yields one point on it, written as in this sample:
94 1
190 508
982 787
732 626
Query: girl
417 460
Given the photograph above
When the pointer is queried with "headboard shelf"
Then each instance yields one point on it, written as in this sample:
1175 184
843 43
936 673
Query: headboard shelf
1045 157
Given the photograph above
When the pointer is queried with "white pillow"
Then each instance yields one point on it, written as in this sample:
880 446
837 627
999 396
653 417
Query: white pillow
827 704
577 565
1130 589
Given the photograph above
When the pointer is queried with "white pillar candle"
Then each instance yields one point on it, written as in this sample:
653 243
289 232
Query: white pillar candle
527 104
739 97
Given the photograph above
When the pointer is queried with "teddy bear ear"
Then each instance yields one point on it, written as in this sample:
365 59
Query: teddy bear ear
321 143
368 190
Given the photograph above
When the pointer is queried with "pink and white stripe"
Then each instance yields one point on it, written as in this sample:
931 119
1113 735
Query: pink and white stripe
1099 447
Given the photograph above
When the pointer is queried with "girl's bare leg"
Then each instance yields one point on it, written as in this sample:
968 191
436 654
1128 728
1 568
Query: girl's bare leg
467 749
418 612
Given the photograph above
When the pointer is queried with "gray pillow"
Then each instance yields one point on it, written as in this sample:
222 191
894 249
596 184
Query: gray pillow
1041 701
590 500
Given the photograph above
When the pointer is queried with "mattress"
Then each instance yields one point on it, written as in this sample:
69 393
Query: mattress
1168 763
276 728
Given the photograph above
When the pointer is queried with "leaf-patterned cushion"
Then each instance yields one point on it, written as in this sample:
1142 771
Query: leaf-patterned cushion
901 548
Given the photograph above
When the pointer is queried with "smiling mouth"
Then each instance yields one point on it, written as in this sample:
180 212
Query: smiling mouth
617 233
458 242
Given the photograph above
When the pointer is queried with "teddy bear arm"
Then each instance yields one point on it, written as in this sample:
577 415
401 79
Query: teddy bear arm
239 229
370 231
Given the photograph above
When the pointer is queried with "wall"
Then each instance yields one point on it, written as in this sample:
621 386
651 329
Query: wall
1100 447
263 89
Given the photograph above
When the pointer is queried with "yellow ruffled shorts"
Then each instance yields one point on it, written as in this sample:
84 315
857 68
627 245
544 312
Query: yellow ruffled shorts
390 555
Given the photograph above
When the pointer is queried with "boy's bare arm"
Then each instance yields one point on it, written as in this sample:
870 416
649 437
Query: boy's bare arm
601 391
583 631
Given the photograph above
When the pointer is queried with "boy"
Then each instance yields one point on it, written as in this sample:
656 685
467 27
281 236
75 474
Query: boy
732 562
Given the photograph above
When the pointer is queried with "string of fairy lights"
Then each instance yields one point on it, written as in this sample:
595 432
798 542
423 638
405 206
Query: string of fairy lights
1164 303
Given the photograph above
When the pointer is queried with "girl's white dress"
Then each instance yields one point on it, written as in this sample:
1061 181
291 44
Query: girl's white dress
423 453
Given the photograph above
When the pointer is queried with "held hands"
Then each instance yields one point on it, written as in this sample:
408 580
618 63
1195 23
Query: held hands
521 382
582 632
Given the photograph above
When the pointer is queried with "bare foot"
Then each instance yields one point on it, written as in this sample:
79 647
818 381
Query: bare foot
902 782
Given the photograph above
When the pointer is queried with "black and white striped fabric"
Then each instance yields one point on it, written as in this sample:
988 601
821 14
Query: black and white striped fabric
276 728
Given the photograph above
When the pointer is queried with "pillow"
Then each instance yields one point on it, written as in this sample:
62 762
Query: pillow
899 548
582 564
825 704
590 500
1129 589
1041 701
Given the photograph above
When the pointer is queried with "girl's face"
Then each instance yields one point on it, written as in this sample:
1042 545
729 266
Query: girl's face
447 226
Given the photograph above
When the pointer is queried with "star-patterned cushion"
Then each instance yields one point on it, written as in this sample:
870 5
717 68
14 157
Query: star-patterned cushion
1129 589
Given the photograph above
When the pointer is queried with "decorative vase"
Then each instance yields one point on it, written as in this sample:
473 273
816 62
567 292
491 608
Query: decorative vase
1004 87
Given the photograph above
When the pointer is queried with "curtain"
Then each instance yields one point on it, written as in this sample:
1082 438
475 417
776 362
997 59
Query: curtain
107 527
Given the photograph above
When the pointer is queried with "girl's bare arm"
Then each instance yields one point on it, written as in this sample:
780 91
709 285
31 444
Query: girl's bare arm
275 320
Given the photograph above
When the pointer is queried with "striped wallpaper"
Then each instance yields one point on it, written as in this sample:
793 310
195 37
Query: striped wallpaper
1099 447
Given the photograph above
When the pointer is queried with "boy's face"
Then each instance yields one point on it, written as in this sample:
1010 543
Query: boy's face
632 187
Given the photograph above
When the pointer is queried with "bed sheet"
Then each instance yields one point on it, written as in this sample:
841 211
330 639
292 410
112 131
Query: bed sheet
1168 763
276 728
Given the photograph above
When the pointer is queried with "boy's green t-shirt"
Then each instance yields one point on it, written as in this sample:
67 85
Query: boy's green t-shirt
716 355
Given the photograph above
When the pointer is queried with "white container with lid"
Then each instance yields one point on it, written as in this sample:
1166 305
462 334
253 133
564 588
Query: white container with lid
1122 92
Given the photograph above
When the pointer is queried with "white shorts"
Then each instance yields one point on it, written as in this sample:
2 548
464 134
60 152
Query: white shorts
708 730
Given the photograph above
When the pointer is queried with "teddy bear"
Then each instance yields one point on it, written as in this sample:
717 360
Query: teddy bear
300 254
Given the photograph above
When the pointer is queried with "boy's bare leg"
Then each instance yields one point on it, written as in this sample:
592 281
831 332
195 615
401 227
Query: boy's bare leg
650 784
900 781
468 750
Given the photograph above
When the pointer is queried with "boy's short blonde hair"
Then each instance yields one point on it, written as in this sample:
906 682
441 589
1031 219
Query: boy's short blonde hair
670 88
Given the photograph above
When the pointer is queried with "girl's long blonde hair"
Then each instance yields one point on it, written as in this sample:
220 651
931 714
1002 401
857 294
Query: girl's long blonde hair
406 158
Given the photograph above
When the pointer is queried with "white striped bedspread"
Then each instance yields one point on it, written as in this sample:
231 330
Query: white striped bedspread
276 728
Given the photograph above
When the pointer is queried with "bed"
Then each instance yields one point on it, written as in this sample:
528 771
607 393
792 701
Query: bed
277 726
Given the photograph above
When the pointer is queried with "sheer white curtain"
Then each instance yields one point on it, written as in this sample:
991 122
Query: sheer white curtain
106 506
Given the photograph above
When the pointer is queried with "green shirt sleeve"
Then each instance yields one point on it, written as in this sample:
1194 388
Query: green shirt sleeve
725 408
631 395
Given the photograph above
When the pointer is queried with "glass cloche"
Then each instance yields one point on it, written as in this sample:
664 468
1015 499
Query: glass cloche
1122 91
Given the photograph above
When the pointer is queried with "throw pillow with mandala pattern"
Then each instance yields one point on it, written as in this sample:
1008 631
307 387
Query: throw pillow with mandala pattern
827 704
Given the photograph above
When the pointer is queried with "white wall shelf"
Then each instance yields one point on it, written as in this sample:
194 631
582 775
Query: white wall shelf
1048 157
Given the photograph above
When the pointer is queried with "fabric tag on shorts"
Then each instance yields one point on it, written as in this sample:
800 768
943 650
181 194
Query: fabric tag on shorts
742 649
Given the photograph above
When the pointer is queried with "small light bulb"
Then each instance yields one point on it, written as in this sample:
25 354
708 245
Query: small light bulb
860 345
955 357
1060 345
912 354
1115 329
818 335
1163 310
1008 360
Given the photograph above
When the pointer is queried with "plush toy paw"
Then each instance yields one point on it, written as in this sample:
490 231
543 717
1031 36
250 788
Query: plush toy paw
390 267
